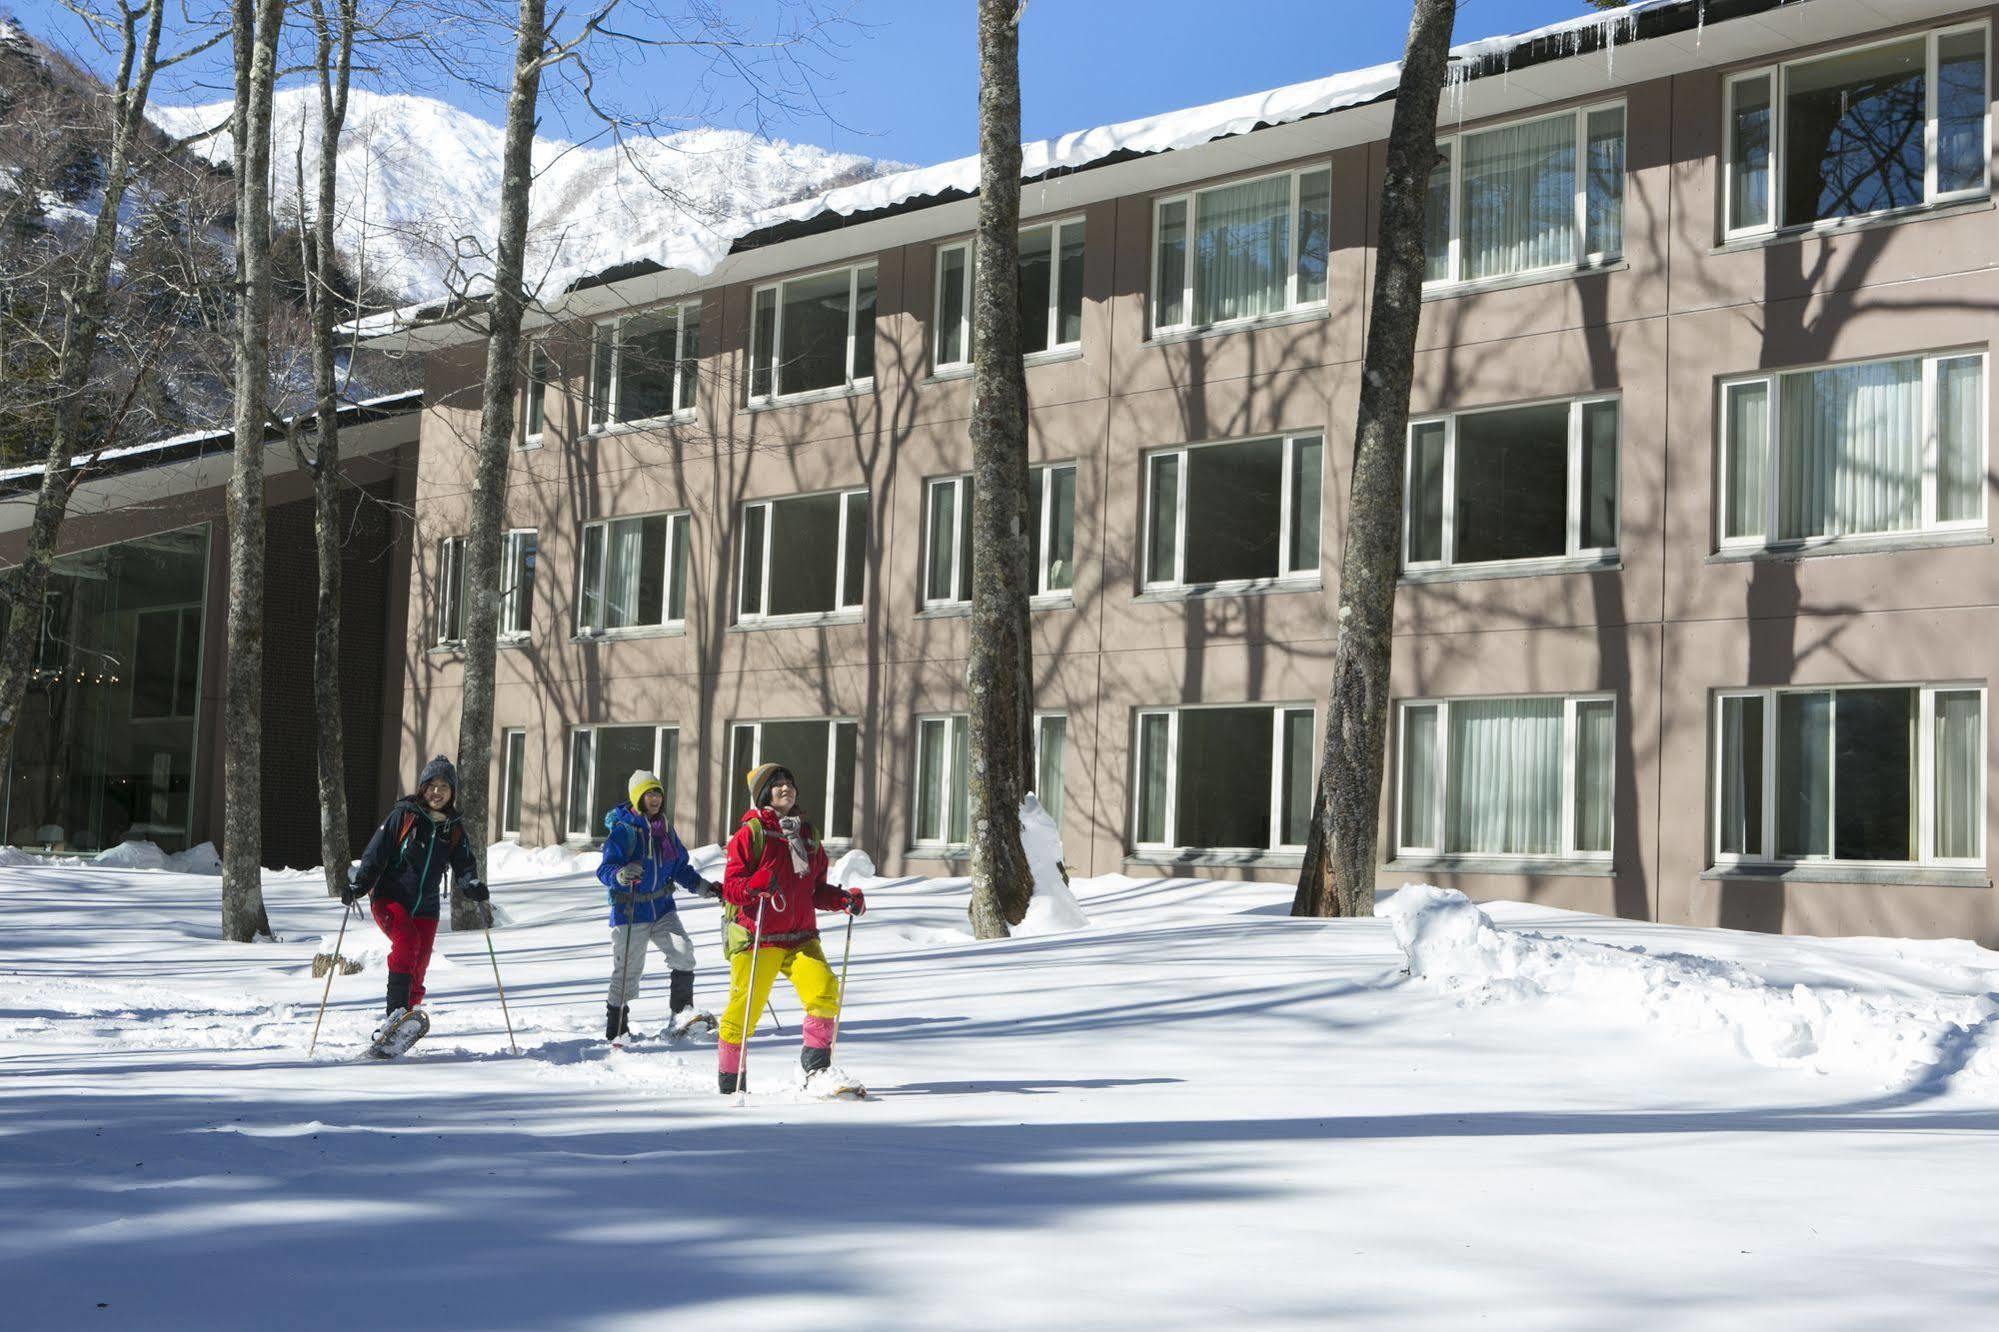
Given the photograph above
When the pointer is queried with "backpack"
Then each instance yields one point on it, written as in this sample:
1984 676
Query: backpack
735 936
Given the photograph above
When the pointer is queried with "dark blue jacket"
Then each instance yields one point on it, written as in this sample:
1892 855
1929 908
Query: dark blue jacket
627 840
406 858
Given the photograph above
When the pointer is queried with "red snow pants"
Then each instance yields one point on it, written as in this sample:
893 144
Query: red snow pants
410 941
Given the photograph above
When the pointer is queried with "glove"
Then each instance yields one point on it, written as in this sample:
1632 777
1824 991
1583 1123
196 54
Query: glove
630 874
857 903
485 912
474 891
709 888
352 891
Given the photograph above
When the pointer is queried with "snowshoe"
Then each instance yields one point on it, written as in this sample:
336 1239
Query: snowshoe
690 1023
834 1083
398 1032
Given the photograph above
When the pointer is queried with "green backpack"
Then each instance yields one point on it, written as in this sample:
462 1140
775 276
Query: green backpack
735 938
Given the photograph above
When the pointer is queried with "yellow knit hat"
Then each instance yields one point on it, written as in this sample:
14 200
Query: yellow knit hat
642 782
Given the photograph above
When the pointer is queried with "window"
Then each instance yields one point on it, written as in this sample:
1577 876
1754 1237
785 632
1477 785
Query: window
813 334
1513 199
1241 251
534 394
1519 483
451 591
602 760
513 767
644 367
1228 515
1899 124
943 782
166 663
1051 293
820 754
517 561
1866 774
1850 450
633 575
1051 535
1224 778
1507 777
1051 745
807 555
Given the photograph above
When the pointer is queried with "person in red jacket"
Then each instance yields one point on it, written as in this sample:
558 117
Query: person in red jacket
777 867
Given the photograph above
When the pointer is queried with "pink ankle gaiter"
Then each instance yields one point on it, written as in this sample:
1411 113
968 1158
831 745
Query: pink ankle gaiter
818 1033
728 1057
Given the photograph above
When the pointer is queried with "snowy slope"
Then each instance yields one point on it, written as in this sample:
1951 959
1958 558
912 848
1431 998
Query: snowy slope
1193 1113
420 181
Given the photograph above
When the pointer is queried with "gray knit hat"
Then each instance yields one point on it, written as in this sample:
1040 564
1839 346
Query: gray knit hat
438 768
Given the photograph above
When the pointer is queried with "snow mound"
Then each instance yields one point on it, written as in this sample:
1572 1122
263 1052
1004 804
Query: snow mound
202 859
509 862
1053 909
132 855
708 860
852 868
1907 1041
13 857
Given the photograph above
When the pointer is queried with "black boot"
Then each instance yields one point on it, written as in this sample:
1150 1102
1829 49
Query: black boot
813 1058
680 991
613 1022
729 1083
399 991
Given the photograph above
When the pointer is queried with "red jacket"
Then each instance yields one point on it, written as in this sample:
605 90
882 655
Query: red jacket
790 917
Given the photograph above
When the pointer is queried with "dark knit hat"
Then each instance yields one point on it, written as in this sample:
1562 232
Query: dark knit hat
762 777
437 769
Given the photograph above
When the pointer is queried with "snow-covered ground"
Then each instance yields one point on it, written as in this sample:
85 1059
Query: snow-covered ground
1190 1112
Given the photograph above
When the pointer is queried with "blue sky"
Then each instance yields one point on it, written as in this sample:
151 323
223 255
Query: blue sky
903 82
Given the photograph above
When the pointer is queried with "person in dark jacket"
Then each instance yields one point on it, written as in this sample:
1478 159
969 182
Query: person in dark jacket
644 861
404 868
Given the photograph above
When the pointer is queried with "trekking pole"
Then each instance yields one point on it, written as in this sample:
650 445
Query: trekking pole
313 1044
846 953
749 1012
502 989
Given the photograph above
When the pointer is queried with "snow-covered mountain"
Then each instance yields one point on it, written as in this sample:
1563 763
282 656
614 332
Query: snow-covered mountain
420 184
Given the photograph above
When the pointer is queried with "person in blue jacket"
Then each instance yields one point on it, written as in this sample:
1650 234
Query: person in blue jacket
644 862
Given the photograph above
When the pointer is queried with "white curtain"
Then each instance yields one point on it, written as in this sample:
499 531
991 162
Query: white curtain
1741 831
1960 802
1849 450
1748 458
1518 201
930 780
1804 775
1505 783
1596 729
621 573
1242 250
1152 743
1419 777
1960 438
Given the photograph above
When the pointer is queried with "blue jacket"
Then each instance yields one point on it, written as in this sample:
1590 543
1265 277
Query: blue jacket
628 840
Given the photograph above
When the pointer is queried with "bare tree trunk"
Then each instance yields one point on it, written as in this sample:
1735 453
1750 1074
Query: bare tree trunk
255 25
1000 677
334 52
27 583
1340 856
496 439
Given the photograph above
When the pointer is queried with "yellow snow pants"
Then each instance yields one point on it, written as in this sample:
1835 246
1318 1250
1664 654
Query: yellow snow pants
804 966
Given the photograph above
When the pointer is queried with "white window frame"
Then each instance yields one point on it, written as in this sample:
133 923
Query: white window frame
665 735
1442 767
451 592
510 779
1925 806
1172 845
667 624
1774 76
1040 594
948 794
613 410
1058 229
1040 720
1586 259
777 392
733 780
516 603
534 393
1772 382
1190 198
1573 551
841 609
1294 578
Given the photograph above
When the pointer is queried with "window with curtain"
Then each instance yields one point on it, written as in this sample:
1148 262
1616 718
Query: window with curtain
450 591
1051 293
1051 535
1526 197
534 393
513 769
1520 483
1224 778
1876 447
820 753
1241 513
803 556
1528 776
813 334
943 813
601 762
644 367
1889 126
1867 774
633 575
1241 251
518 554
1051 745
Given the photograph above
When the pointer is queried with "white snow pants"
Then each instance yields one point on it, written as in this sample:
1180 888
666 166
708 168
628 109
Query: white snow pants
628 953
